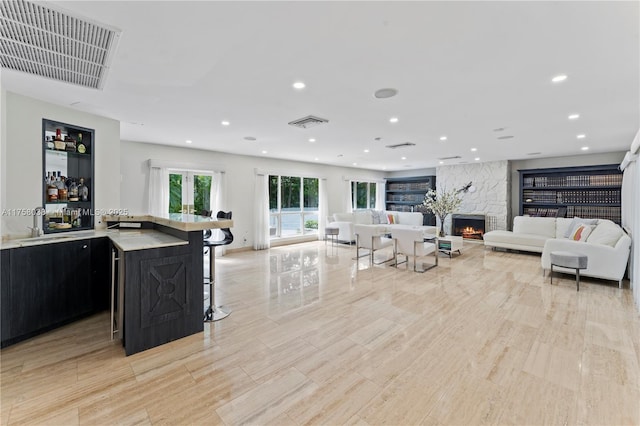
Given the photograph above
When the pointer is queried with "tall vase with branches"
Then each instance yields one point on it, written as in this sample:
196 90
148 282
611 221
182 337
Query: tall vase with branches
442 204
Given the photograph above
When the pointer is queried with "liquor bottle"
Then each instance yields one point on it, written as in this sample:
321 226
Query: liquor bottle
83 191
73 191
59 142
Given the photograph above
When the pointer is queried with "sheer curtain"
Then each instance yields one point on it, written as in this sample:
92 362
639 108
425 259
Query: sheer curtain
323 207
261 237
348 198
381 201
158 191
630 209
218 201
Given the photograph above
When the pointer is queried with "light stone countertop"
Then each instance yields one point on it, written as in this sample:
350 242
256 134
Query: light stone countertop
128 240
179 221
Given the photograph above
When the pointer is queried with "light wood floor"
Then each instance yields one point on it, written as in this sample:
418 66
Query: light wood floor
318 339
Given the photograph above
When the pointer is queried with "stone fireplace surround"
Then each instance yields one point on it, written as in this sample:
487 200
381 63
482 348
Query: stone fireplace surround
491 197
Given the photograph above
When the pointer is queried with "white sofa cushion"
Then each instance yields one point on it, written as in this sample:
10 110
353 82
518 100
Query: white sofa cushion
606 232
362 217
543 226
516 239
562 226
343 217
409 218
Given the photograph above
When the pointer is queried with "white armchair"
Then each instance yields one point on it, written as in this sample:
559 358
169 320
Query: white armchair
371 238
410 243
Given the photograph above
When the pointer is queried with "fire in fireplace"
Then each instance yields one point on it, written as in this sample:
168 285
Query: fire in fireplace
471 226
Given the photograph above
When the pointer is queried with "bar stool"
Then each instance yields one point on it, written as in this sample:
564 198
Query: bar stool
215 313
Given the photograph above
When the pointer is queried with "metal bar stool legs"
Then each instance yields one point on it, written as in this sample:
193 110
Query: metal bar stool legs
213 313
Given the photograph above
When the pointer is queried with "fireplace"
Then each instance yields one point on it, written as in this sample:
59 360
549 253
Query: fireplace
470 226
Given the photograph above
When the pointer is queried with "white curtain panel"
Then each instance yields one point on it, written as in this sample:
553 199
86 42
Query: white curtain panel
348 199
261 231
381 202
218 201
158 191
323 207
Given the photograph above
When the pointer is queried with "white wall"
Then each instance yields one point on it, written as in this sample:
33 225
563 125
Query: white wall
412 173
22 142
491 198
544 163
240 178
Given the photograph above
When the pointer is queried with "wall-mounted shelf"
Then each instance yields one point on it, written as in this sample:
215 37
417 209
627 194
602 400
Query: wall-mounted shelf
404 194
589 192
62 171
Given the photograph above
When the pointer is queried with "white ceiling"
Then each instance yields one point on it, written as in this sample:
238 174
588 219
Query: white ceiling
462 69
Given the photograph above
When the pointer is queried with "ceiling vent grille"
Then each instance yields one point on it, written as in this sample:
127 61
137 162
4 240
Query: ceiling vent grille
450 158
42 41
401 145
308 121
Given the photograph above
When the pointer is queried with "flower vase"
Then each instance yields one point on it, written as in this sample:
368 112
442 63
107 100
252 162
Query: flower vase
441 232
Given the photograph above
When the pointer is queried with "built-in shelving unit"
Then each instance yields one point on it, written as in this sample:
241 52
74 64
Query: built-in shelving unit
589 192
67 155
404 194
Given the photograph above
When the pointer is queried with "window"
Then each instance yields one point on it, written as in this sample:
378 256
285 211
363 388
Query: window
293 206
363 195
189 192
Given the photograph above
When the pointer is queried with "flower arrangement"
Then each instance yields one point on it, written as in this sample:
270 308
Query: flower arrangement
442 204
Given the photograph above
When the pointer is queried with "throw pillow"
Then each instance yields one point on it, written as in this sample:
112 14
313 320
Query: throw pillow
577 221
391 219
607 233
581 232
375 217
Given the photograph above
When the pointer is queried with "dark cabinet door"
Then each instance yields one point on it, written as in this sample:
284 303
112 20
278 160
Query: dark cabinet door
5 295
74 285
33 282
44 287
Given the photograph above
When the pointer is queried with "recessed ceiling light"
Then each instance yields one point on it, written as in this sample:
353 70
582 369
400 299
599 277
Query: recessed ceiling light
366 150
299 85
581 136
385 93
559 78
264 151
188 141
585 148
316 159
355 164
225 123
474 149
477 158
574 116
403 158
441 162
393 120
443 138
384 168
312 140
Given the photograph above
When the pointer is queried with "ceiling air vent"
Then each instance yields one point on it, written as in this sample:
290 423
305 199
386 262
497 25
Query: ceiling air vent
43 41
401 145
308 121
504 137
450 158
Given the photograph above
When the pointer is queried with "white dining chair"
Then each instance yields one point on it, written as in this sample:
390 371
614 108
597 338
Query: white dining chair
410 243
371 238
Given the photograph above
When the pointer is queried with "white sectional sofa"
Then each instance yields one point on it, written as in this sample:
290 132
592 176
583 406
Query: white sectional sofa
607 246
345 222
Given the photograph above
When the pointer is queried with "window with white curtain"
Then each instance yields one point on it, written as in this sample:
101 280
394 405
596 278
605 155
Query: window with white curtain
189 191
293 205
363 195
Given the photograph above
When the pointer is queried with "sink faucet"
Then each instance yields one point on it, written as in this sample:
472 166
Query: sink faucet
35 231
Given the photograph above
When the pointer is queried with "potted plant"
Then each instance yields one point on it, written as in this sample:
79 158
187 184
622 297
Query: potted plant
442 204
